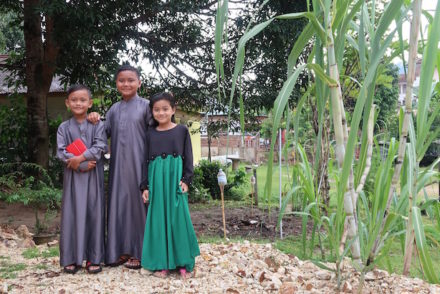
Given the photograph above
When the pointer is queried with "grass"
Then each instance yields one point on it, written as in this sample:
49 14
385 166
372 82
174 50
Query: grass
31 253
35 253
9 270
41 267
51 252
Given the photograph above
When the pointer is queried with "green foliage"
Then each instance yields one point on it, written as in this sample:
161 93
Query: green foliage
206 178
197 192
9 270
35 252
13 130
31 185
386 96
30 253
209 179
51 252
11 36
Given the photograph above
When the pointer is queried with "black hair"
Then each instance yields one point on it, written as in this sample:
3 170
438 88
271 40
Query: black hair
128 67
162 96
78 87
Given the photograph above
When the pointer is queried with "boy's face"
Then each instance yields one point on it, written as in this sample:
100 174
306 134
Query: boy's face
127 83
79 102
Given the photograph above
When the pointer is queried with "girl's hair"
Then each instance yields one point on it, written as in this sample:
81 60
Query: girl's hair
127 67
162 96
78 87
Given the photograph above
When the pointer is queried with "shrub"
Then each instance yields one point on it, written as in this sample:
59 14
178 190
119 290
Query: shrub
197 192
209 176
206 175
31 185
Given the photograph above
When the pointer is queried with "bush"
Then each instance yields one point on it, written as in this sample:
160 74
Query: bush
31 185
205 177
209 172
197 192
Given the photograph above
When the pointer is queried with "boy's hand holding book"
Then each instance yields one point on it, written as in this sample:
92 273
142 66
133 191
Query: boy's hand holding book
78 148
74 162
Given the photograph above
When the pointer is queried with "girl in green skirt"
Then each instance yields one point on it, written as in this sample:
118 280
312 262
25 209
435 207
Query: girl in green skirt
169 238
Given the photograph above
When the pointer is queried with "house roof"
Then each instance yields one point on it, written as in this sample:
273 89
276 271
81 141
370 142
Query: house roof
55 87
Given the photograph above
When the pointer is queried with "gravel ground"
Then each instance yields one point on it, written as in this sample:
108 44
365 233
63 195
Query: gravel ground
222 268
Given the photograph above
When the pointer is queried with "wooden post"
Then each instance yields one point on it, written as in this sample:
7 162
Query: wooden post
255 186
223 211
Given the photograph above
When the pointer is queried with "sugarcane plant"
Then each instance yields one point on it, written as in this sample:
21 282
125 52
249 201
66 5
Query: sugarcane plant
363 228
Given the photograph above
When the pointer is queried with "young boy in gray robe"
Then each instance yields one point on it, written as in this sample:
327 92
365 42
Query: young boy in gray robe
126 124
82 210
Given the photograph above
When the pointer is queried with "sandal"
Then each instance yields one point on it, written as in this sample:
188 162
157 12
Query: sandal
71 269
133 263
184 274
161 274
121 260
97 268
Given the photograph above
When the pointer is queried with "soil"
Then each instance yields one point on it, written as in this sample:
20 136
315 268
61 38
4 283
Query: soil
241 221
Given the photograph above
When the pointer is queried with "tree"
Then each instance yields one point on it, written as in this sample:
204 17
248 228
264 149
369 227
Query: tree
80 41
83 41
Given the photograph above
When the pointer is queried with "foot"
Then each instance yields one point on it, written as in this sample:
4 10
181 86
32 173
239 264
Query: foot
133 263
71 269
161 274
121 260
184 274
93 268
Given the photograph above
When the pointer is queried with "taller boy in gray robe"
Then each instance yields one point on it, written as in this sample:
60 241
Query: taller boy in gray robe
82 208
126 125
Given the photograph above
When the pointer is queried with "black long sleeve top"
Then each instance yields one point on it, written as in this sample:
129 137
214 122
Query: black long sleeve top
176 142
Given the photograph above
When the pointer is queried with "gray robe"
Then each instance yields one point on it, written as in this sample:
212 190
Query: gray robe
83 204
126 125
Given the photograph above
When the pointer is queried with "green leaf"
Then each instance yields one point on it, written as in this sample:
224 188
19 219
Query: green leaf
320 31
320 72
422 247
428 65
298 48
279 106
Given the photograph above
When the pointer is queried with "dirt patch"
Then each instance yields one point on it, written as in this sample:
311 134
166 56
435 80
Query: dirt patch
207 220
16 214
243 222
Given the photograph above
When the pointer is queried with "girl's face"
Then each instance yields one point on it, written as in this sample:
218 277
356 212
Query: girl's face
163 111
127 83
79 102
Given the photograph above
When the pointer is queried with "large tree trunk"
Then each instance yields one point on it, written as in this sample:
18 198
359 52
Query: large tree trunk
40 67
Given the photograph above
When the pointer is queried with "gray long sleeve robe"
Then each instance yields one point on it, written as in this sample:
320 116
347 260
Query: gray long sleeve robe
83 204
126 125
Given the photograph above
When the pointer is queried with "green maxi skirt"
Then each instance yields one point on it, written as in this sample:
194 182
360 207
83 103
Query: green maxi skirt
169 239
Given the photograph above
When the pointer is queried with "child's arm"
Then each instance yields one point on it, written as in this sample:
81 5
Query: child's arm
87 165
144 183
107 122
95 118
188 169
99 144
62 153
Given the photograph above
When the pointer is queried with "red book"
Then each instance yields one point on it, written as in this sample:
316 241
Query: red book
77 147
